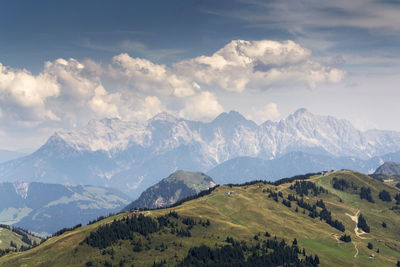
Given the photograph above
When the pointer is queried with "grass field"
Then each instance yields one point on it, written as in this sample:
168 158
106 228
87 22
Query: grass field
7 236
242 214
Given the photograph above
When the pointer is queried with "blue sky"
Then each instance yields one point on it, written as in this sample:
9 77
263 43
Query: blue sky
62 59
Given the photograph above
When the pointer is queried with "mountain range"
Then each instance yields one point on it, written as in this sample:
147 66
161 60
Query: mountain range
243 169
46 208
122 154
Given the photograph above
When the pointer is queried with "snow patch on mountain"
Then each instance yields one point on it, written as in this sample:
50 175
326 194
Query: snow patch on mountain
21 189
134 155
231 135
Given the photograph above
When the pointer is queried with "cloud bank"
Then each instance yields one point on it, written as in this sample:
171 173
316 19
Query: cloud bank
68 93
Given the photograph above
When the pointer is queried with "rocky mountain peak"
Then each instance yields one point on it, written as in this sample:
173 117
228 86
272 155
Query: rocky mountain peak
388 168
164 116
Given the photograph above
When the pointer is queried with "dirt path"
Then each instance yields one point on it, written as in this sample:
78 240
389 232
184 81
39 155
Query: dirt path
355 246
357 230
1 230
336 237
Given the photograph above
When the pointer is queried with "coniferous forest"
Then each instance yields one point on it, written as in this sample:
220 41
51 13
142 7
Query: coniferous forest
266 251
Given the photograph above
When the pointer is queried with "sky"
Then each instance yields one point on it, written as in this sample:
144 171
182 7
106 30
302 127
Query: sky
63 63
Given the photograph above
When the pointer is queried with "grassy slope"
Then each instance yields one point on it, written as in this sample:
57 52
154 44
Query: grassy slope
6 236
241 215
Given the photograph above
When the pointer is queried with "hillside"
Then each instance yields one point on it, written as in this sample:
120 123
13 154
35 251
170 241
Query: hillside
322 209
178 185
14 238
123 153
45 208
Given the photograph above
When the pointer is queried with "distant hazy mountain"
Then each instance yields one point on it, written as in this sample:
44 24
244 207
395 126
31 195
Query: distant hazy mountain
46 208
124 154
6 155
179 185
244 169
389 168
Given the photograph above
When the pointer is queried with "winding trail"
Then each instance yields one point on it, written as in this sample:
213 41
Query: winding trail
355 246
357 230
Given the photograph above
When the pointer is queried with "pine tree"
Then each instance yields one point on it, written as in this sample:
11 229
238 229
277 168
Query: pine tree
362 224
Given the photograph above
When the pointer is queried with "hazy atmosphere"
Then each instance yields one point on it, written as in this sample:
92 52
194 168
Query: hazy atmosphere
199 133
63 63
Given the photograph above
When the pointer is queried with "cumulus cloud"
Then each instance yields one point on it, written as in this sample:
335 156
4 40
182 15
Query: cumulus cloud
148 107
269 112
68 92
105 104
23 95
144 75
258 65
201 106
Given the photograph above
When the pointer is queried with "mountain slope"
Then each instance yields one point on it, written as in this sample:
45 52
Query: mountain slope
46 208
6 155
111 152
244 213
14 238
388 171
389 168
244 169
175 187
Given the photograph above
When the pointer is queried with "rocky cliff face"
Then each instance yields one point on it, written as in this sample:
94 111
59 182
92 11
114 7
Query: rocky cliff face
122 154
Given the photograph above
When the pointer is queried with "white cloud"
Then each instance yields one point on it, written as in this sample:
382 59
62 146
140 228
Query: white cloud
23 95
105 104
149 107
68 92
257 65
201 106
145 75
269 112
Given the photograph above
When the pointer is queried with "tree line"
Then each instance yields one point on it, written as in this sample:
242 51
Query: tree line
270 252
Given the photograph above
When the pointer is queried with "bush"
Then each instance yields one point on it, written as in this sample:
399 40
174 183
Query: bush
345 238
385 196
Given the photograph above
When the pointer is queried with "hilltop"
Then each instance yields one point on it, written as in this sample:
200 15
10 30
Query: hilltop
179 185
389 170
319 213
